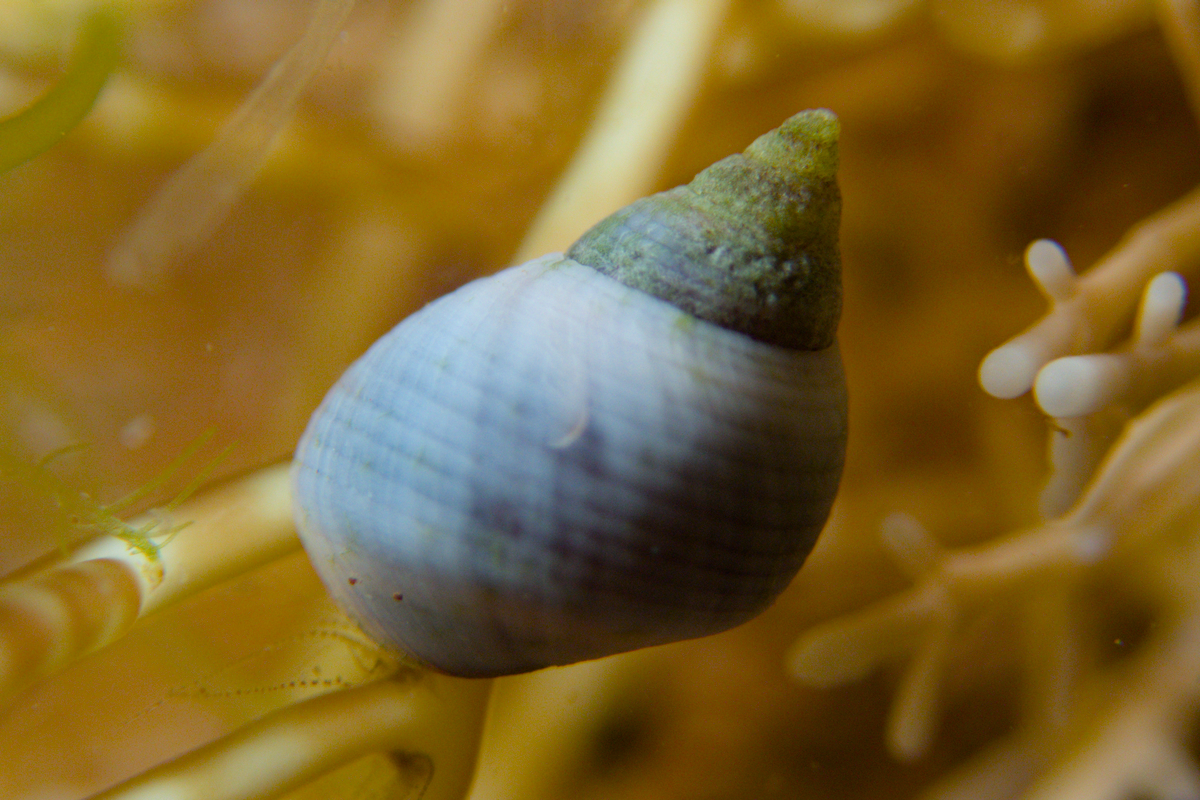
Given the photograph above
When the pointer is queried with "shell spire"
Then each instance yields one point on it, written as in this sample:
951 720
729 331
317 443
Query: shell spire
750 244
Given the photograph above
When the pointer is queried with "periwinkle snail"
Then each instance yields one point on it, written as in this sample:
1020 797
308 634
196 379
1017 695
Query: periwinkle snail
632 444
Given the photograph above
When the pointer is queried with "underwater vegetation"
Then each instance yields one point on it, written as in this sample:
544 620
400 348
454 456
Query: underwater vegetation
209 208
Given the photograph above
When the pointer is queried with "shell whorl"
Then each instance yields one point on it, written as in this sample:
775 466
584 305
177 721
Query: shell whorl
750 244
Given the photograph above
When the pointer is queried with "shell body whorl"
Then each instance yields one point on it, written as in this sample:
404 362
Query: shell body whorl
549 465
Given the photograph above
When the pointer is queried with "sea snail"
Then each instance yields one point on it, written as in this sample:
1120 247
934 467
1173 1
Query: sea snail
632 444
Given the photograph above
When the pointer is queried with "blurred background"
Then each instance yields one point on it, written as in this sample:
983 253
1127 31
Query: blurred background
417 160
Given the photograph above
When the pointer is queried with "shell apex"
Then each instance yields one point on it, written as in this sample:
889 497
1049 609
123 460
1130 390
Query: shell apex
750 244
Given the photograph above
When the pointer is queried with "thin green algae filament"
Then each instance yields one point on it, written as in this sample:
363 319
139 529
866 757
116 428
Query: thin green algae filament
40 126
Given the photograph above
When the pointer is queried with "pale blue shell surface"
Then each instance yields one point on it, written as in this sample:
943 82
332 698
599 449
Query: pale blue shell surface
547 466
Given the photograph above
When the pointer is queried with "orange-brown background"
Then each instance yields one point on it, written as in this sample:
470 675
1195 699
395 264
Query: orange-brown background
952 161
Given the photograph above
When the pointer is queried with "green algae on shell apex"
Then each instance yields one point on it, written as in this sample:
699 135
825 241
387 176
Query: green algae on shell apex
750 244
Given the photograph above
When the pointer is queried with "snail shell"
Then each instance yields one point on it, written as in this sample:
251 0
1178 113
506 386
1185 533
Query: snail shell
632 444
